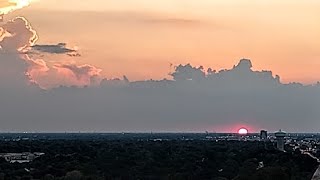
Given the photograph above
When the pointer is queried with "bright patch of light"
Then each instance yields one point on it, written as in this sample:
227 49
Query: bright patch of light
243 131
13 5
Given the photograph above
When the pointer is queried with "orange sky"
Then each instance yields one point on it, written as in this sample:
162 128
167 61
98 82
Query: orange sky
140 38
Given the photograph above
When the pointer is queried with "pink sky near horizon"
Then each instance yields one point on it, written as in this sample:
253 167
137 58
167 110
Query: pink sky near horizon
140 38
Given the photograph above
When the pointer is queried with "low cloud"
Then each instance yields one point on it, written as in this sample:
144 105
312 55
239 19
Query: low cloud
195 99
17 42
82 74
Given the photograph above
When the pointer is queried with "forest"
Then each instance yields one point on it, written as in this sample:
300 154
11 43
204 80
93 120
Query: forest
89 159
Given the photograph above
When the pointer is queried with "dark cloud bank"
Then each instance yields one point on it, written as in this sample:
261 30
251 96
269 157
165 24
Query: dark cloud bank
194 100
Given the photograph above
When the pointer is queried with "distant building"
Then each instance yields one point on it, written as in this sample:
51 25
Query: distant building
280 139
263 135
24 157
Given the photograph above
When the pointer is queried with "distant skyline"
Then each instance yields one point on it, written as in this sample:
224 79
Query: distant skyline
159 66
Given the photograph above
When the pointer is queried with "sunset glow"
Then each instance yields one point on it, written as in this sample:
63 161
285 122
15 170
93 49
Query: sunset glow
209 33
142 65
242 131
7 6
200 81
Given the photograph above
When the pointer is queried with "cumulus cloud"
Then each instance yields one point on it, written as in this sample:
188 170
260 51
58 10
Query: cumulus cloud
82 74
17 35
219 100
216 101
195 99
187 72
17 41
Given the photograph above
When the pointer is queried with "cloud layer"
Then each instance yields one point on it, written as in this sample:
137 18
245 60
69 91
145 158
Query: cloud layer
37 95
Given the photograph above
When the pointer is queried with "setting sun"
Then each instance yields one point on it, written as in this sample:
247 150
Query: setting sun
242 131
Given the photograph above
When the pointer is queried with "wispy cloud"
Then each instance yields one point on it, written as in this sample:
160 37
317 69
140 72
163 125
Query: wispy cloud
60 48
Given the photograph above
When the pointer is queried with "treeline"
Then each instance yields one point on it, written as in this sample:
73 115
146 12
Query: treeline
132 159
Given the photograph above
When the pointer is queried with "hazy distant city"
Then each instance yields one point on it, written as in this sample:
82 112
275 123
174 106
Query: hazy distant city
265 155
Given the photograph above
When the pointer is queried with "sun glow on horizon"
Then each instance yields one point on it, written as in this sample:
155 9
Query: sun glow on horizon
243 131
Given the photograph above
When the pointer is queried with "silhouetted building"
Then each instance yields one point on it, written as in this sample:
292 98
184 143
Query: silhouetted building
280 139
263 135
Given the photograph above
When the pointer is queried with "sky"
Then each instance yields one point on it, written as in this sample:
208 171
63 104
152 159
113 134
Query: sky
141 38
169 65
